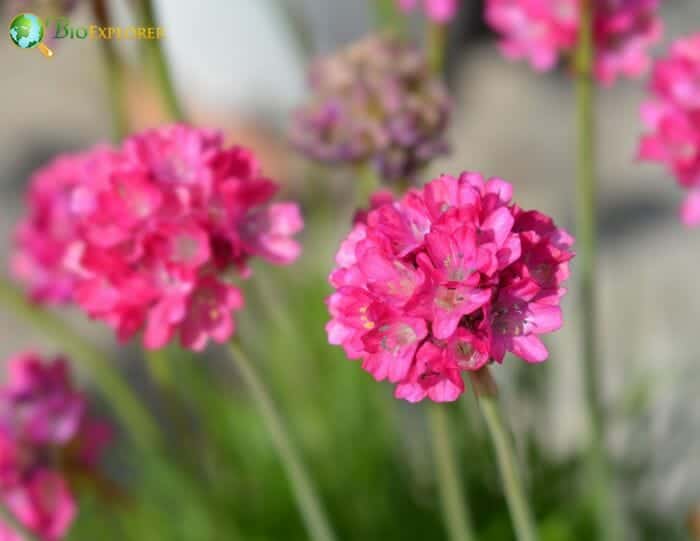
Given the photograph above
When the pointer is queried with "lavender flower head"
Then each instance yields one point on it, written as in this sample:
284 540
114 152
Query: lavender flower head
375 101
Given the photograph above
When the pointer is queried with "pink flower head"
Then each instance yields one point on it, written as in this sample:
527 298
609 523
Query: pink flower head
44 407
537 30
45 436
43 504
151 230
445 280
439 11
543 31
672 117
47 230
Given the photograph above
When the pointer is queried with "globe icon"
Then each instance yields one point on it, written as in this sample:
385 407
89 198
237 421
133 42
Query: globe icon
26 30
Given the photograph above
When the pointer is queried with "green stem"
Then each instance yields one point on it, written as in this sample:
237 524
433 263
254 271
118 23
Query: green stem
309 505
115 87
114 72
367 183
586 195
387 16
126 405
156 56
159 364
9 518
454 506
437 41
523 522
160 369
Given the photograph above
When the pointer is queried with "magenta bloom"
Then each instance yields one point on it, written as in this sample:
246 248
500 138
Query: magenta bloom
446 280
44 504
542 31
44 430
145 237
439 11
672 116
46 232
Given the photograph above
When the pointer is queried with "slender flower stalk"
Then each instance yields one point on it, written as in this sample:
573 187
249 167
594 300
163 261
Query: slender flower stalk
387 15
8 518
437 41
523 522
156 55
115 86
454 506
586 188
367 183
309 504
114 76
159 367
127 406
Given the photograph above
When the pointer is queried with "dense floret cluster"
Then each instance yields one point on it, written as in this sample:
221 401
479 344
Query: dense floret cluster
375 102
445 280
144 237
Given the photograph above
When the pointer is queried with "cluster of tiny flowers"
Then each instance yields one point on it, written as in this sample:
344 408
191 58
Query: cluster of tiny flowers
439 11
672 116
148 236
45 437
375 102
544 30
445 280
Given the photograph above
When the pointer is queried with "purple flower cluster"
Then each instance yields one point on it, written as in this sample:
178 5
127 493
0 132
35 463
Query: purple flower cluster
374 102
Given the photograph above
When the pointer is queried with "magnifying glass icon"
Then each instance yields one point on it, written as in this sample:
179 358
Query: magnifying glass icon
27 32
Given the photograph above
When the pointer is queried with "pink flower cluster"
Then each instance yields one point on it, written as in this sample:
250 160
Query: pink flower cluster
144 237
439 11
44 432
672 117
445 280
544 30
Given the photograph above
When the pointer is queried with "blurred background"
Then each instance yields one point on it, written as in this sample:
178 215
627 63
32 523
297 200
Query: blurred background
240 66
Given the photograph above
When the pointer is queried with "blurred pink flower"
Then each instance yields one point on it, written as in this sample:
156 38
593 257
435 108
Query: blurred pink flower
39 398
142 237
445 280
43 504
47 230
44 428
672 117
542 31
623 33
439 11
